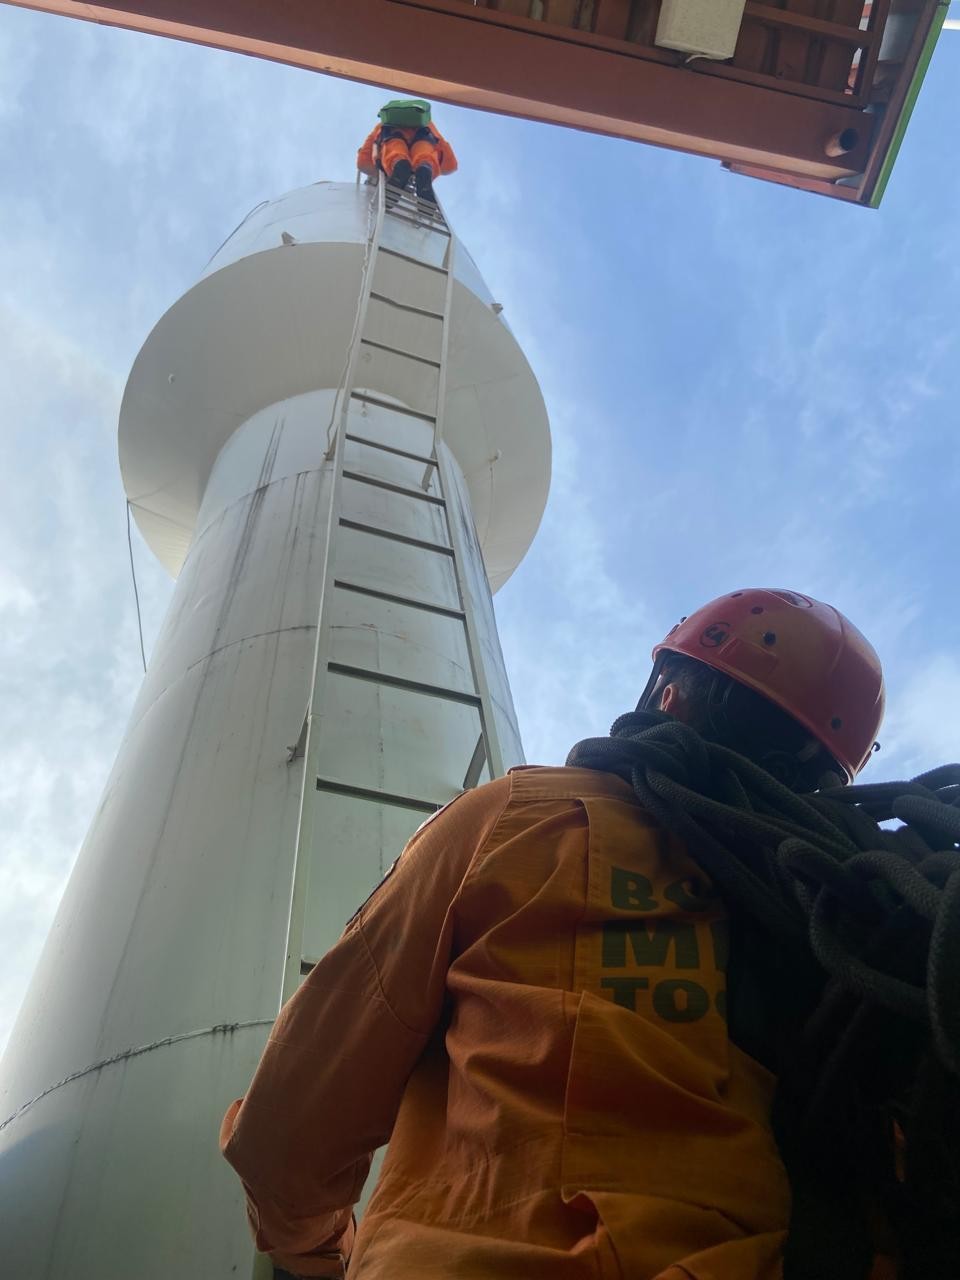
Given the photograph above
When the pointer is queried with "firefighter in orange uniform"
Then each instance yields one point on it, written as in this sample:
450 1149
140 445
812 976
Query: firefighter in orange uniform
406 143
532 1008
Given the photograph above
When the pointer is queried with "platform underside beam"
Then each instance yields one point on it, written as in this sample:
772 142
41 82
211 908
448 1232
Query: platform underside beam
540 73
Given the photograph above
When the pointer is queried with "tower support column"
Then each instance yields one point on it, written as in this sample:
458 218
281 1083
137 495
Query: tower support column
165 965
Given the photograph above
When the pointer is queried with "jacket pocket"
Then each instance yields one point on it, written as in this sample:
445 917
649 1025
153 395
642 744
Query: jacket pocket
749 1258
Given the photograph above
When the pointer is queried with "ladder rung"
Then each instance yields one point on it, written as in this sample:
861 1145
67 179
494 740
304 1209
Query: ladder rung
407 257
397 408
397 351
422 218
377 483
407 199
396 537
406 306
409 601
389 448
408 195
377 797
420 223
400 682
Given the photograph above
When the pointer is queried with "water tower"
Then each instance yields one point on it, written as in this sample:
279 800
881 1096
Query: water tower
335 443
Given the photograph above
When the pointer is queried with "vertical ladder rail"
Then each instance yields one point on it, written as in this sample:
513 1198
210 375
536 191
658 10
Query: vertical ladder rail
305 825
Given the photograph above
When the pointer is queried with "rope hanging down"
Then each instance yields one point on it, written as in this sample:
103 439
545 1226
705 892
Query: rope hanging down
862 925
136 593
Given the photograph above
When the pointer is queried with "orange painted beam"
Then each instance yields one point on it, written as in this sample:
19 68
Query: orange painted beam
430 50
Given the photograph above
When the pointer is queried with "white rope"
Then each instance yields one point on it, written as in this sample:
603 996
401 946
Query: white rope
136 593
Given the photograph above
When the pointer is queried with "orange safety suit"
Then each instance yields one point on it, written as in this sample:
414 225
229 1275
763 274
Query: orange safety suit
531 1008
420 146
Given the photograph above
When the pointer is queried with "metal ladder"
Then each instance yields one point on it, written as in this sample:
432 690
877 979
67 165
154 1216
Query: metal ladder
400 327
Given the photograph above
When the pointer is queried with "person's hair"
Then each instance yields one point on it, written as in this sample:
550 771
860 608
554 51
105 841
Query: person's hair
724 711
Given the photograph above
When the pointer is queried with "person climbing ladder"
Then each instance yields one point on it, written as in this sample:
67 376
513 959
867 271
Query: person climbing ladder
407 144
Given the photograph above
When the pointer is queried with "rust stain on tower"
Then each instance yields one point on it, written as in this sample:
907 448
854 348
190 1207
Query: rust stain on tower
812 93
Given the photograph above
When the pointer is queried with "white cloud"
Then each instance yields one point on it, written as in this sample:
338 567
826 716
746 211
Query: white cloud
923 722
15 596
48 369
581 660
17 58
69 662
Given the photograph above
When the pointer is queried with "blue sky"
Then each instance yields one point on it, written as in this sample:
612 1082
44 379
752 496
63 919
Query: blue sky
746 385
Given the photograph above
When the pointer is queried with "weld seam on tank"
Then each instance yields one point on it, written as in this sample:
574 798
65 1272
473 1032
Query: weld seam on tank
258 635
141 715
221 1028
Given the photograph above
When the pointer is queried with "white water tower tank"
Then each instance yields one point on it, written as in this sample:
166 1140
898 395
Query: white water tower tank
164 967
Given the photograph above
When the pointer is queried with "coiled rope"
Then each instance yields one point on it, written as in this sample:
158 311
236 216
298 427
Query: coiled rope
861 923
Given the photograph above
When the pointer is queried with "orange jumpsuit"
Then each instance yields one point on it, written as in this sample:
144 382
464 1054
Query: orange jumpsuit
532 1005
404 144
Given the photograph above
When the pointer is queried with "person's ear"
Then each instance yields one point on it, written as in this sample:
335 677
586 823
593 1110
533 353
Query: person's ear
671 700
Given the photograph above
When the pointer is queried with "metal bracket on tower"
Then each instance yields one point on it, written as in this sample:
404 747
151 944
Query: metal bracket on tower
475 767
296 752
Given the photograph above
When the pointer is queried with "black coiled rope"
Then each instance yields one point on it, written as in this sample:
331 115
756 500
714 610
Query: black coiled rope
848 938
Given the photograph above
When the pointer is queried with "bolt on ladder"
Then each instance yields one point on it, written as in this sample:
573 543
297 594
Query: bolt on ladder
401 341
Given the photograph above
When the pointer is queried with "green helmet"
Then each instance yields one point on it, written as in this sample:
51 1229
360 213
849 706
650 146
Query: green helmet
406 113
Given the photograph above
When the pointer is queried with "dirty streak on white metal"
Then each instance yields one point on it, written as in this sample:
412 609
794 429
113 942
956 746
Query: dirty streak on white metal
164 966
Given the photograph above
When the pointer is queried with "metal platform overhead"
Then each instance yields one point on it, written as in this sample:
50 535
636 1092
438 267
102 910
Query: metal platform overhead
815 94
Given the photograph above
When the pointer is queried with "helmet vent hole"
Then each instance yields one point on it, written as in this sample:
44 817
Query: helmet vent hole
735 594
757 608
836 723
769 637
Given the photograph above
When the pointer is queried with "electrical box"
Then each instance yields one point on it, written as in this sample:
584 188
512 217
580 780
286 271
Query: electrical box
709 27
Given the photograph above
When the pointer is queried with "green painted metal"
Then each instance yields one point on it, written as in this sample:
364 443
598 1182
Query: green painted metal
406 113
896 142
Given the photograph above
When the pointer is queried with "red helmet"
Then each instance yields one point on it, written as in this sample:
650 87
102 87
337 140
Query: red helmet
804 656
